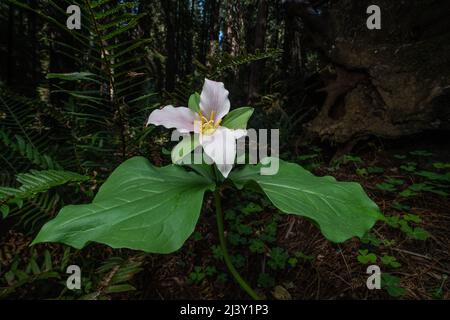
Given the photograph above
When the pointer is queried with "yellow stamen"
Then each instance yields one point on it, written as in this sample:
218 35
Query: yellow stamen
208 126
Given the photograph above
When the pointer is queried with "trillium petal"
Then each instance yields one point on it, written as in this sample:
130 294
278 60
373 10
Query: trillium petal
180 118
214 98
221 147
239 133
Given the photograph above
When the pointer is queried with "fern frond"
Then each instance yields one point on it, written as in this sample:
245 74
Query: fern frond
33 183
116 274
109 84
225 61
27 150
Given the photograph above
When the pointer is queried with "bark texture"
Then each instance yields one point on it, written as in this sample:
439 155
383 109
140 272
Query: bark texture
390 82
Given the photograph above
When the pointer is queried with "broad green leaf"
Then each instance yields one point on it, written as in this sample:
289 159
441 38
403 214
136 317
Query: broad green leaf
237 118
194 102
139 207
204 170
184 148
342 210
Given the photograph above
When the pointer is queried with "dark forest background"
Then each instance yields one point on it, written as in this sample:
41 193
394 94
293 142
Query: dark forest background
364 105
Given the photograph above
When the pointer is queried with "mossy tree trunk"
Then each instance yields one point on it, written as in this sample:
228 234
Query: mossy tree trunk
390 82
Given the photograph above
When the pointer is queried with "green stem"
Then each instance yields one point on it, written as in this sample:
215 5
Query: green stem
219 215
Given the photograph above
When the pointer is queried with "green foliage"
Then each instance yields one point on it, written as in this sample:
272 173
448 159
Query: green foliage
390 261
311 159
375 170
27 150
278 259
345 160
221 63
366 257
194 102
441 165
386 187
139 207
237 118
25 140
265 280
184 148
409 167
114 276
404 224
421 153
33 183
391 284
36 270
108 89
341 209
439 292
371 239
217 252
196 276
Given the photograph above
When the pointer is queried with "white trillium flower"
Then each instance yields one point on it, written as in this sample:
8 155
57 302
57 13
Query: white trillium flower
218 142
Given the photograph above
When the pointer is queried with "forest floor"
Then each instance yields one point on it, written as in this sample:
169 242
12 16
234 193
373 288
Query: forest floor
286 257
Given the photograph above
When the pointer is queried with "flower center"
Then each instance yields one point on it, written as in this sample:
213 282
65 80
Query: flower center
208 126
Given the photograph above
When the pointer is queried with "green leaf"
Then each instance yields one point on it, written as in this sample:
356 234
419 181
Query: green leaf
375 170
435 176
412 218
74 76
265 280
421 153
342 210
120 288
36 182
407 193
441 165
194 102
204 170
390 261
385 187
4 209
395 291
366 258
278 259
238 118
370 238
139 207
391 284
184 148
420 234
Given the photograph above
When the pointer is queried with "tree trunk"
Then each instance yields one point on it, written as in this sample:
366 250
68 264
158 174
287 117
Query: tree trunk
171 64
10 55
390 82
260 36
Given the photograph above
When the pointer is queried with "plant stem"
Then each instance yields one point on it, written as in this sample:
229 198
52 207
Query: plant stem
219 215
